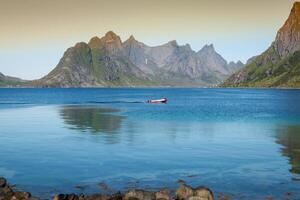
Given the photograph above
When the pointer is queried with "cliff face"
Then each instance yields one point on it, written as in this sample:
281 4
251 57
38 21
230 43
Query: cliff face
107 61
138 54
288 37
278 66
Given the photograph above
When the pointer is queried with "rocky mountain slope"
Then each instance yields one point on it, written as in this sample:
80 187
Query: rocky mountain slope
279 65
8 81
109 62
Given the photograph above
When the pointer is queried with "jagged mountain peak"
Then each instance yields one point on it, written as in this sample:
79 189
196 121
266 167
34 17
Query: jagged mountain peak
172 43
296 7
207 50
215 61
110 35
239 62
187 47
235 66
80 45
207 47
95 42
111 42
131 38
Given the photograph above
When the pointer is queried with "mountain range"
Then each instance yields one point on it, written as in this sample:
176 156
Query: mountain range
279 65
109 62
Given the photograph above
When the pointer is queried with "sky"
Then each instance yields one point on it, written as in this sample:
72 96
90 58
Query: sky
35 33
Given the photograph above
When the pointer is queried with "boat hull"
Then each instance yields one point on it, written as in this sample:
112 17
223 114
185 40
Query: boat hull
158 101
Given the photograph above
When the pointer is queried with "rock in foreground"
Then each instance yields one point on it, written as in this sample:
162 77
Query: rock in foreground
8 193
184 192
199 193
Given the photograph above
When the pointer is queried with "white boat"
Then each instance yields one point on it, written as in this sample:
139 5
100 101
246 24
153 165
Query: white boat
164 100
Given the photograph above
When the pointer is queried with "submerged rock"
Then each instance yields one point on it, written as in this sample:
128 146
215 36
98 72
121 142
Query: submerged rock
103 186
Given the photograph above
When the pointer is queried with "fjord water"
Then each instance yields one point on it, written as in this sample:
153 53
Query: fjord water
243 142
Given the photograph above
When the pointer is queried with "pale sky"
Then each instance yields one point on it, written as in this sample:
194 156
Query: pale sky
35 33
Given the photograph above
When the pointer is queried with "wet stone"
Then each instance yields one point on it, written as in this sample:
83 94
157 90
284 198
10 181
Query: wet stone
21 195
139 195
2 182
163 195
186 192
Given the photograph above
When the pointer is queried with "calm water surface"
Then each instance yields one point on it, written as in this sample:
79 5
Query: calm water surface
240 142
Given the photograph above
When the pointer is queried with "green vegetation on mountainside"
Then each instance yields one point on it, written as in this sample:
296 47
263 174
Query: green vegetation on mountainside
269 71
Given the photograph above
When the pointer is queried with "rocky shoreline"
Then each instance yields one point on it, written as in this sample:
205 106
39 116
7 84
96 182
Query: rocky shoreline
184 192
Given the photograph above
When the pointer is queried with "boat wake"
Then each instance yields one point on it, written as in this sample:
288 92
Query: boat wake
113 102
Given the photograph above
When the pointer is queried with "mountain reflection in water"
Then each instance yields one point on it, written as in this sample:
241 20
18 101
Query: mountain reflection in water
289 137
93 119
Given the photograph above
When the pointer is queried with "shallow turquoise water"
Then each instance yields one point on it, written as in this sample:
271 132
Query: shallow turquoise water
235 141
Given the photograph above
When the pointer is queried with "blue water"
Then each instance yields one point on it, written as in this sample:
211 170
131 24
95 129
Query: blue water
241 142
